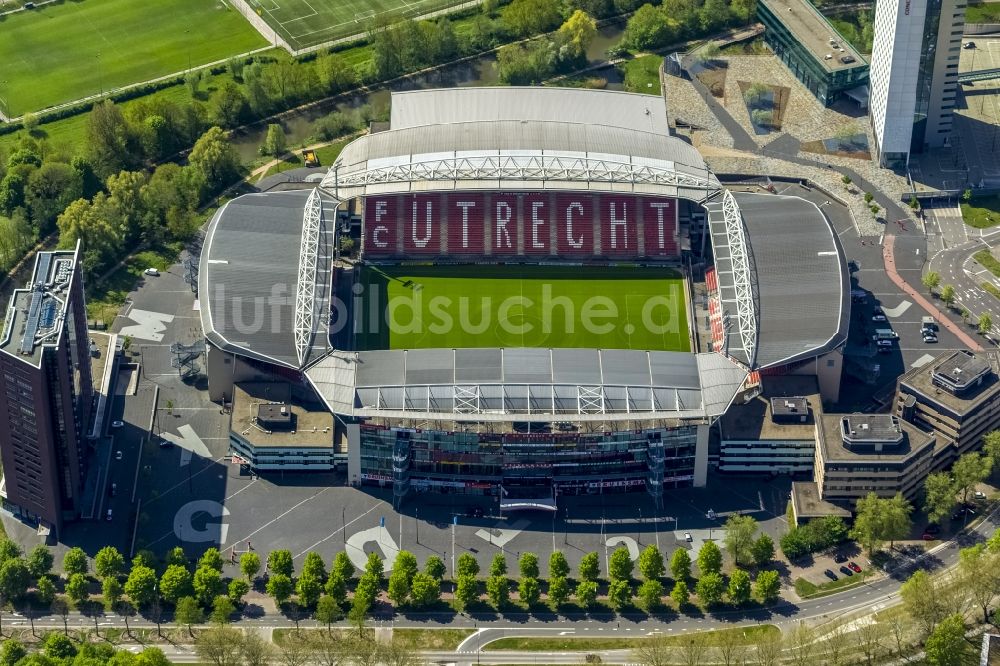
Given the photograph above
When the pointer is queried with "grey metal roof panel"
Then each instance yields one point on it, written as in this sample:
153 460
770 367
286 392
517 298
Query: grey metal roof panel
802 279
249 275
674 369
556 137
430 366
415 108
576 366
381 368
478 366
626 367
527 366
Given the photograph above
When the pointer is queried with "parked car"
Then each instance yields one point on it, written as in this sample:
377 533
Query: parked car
840 557
847 572
829 574
109 514
117 424
967 45
930 338
151 271
113 490
879 316
854 567
933 528
980 495
927 537
687 537
118 455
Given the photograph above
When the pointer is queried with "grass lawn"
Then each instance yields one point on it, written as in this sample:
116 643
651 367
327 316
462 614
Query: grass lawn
988 261
642 75
69 50
807 589
988 286
749 635
982 212
524 306
562 644
306 22
430 639
70 133
985 12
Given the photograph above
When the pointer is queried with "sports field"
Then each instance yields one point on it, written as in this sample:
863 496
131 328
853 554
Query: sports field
305 23
58 53
414 307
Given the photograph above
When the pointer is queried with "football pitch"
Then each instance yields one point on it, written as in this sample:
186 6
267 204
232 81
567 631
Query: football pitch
305 23
417 307
61 52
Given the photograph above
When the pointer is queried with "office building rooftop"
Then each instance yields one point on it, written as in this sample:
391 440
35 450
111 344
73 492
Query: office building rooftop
960 381
814 32
266 415
36 313
889 440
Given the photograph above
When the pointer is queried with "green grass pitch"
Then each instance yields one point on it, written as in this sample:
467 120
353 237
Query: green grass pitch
416 307
305 23
70 50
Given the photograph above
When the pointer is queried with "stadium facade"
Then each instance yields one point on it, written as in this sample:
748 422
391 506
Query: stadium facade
505 177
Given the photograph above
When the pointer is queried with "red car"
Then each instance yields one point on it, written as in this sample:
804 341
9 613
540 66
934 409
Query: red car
854 567
927 537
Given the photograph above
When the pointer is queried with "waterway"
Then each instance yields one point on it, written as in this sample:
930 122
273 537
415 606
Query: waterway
479 71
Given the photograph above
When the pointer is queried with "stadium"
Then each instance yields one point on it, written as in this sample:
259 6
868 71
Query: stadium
553 296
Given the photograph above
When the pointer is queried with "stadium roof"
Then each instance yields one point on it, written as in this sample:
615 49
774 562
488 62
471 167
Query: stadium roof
418 108
545 384
520 138
798 279
248 280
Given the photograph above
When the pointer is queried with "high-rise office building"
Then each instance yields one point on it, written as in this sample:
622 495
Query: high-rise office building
47 392
914 76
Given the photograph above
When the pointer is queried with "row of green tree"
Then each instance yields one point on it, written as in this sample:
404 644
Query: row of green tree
41 192
55 649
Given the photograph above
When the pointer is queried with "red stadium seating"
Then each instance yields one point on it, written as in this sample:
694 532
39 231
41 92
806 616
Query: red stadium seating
422 216
531 224
618 226
466 223
660 224
380 225
575 225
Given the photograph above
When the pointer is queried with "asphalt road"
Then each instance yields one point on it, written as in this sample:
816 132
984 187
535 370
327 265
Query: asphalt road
957 267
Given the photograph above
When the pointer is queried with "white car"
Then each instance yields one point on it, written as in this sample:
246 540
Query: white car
117 424
687 537
151 271
118 455
109 514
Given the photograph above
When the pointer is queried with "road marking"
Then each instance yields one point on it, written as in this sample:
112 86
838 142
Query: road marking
628 542
500 534
378 535
189 442
898 310
148 325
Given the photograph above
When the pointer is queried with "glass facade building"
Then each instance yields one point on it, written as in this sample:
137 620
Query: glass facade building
811 48
527 465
